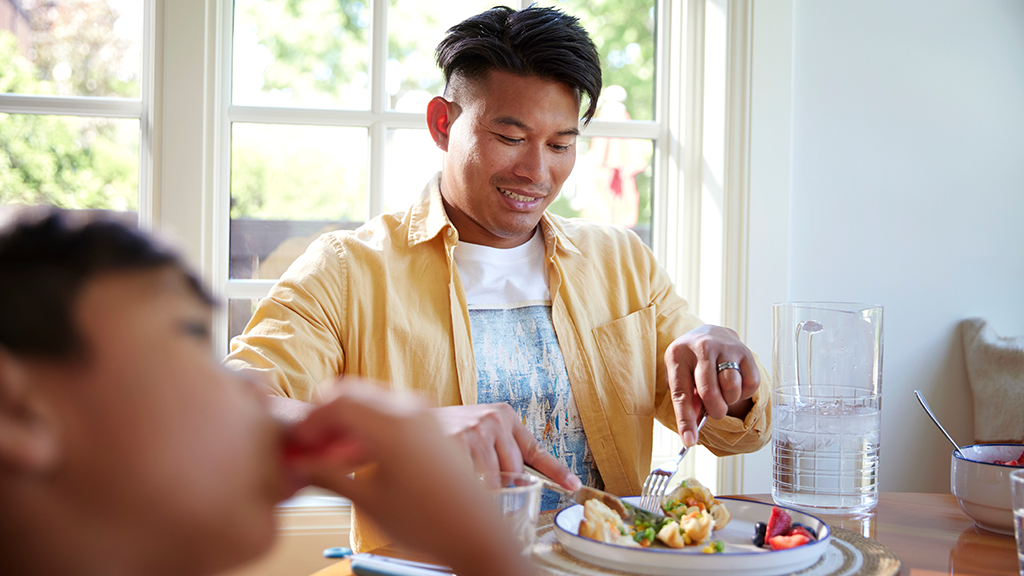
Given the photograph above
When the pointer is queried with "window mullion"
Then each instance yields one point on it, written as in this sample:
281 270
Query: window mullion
217 181
688 275
631 129
71 105
378 105
147 120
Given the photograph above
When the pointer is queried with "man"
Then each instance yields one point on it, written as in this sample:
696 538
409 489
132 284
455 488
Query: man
541 340
127 448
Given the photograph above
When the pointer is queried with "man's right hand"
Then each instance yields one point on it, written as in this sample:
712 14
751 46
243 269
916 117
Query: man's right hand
497 441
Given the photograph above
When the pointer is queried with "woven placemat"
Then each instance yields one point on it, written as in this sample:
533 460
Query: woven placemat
849 554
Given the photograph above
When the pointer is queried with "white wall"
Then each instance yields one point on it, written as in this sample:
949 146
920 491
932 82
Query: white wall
906 188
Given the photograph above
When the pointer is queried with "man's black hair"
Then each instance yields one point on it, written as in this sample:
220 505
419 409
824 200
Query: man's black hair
47 257
535 41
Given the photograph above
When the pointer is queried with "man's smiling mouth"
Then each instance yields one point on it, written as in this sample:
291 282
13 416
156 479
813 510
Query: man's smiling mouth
517 197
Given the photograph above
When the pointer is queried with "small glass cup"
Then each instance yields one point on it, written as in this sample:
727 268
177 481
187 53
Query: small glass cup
1017 491
518 498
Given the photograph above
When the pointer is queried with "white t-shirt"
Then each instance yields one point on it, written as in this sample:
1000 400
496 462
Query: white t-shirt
518 359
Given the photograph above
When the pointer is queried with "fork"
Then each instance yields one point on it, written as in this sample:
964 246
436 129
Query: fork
657 481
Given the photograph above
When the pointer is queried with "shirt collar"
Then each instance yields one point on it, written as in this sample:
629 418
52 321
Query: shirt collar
428 218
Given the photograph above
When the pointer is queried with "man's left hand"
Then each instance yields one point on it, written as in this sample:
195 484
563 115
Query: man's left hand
692 362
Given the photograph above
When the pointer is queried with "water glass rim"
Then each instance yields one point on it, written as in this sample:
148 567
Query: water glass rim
832 306
512 482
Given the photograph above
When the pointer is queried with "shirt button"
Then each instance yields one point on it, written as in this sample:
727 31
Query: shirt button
451 232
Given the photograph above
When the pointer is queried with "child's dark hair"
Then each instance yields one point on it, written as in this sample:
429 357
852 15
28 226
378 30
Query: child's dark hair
47 257
535 41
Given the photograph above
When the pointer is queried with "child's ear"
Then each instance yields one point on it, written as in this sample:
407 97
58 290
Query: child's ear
28 439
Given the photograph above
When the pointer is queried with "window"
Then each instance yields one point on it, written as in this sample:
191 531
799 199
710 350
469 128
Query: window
326 123
75 104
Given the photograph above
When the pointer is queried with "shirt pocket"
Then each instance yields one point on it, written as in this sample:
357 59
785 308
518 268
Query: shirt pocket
628 349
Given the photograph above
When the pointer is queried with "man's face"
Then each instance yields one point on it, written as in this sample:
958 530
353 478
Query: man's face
169 447
511 144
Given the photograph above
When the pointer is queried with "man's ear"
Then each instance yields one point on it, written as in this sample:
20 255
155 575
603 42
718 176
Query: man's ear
28 438
441 114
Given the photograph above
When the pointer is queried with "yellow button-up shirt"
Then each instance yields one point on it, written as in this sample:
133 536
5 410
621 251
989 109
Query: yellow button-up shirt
385 302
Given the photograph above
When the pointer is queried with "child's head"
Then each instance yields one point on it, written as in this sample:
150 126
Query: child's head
122 438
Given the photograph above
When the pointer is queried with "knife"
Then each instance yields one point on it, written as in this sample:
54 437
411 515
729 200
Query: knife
625 510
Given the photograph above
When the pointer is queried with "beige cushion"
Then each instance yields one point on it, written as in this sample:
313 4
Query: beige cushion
995 369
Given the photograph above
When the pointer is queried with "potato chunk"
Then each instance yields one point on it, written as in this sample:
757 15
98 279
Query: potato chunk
693 528
601 523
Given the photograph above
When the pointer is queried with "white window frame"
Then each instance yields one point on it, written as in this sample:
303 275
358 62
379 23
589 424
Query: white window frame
141 109
192 191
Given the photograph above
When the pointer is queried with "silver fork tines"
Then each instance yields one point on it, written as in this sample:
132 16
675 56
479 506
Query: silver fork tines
656 484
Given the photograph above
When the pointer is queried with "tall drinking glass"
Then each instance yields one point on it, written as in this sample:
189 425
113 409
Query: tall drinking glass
826 405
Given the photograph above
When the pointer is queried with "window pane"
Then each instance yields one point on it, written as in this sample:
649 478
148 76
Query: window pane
303 53
611 183
411 160
70 162
288 184
240 310
71 48
623 31
414 30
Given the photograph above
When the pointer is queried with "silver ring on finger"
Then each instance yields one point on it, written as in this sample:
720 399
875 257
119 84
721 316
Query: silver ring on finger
728 366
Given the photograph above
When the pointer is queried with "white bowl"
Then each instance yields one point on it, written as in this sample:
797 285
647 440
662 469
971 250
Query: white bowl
983 488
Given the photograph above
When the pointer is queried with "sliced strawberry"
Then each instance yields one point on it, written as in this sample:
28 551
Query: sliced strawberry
787 542
797 529
778 523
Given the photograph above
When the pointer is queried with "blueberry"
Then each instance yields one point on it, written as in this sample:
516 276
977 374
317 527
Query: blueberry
760 529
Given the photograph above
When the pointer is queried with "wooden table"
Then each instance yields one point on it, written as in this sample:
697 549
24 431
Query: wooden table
929 533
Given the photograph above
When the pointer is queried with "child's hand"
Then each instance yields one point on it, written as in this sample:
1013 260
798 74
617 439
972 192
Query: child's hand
419 487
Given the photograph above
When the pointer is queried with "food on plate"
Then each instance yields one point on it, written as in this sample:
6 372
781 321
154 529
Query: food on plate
693 528
602 524
781 533
691 495
760 531
692 514
1018 462
778 523
714 547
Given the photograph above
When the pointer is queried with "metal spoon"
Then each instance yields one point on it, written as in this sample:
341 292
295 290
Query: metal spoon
920 398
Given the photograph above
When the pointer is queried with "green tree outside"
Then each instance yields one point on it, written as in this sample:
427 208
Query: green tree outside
64 161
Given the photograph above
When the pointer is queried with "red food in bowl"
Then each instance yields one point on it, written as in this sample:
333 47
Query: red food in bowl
982 487
1018 462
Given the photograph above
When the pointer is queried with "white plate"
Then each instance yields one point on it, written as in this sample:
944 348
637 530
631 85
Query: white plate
740 555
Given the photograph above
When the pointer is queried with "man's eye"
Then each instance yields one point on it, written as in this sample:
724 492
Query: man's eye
510 140
560 148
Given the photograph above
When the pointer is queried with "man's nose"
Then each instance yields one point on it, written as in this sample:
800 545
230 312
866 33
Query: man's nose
531 163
